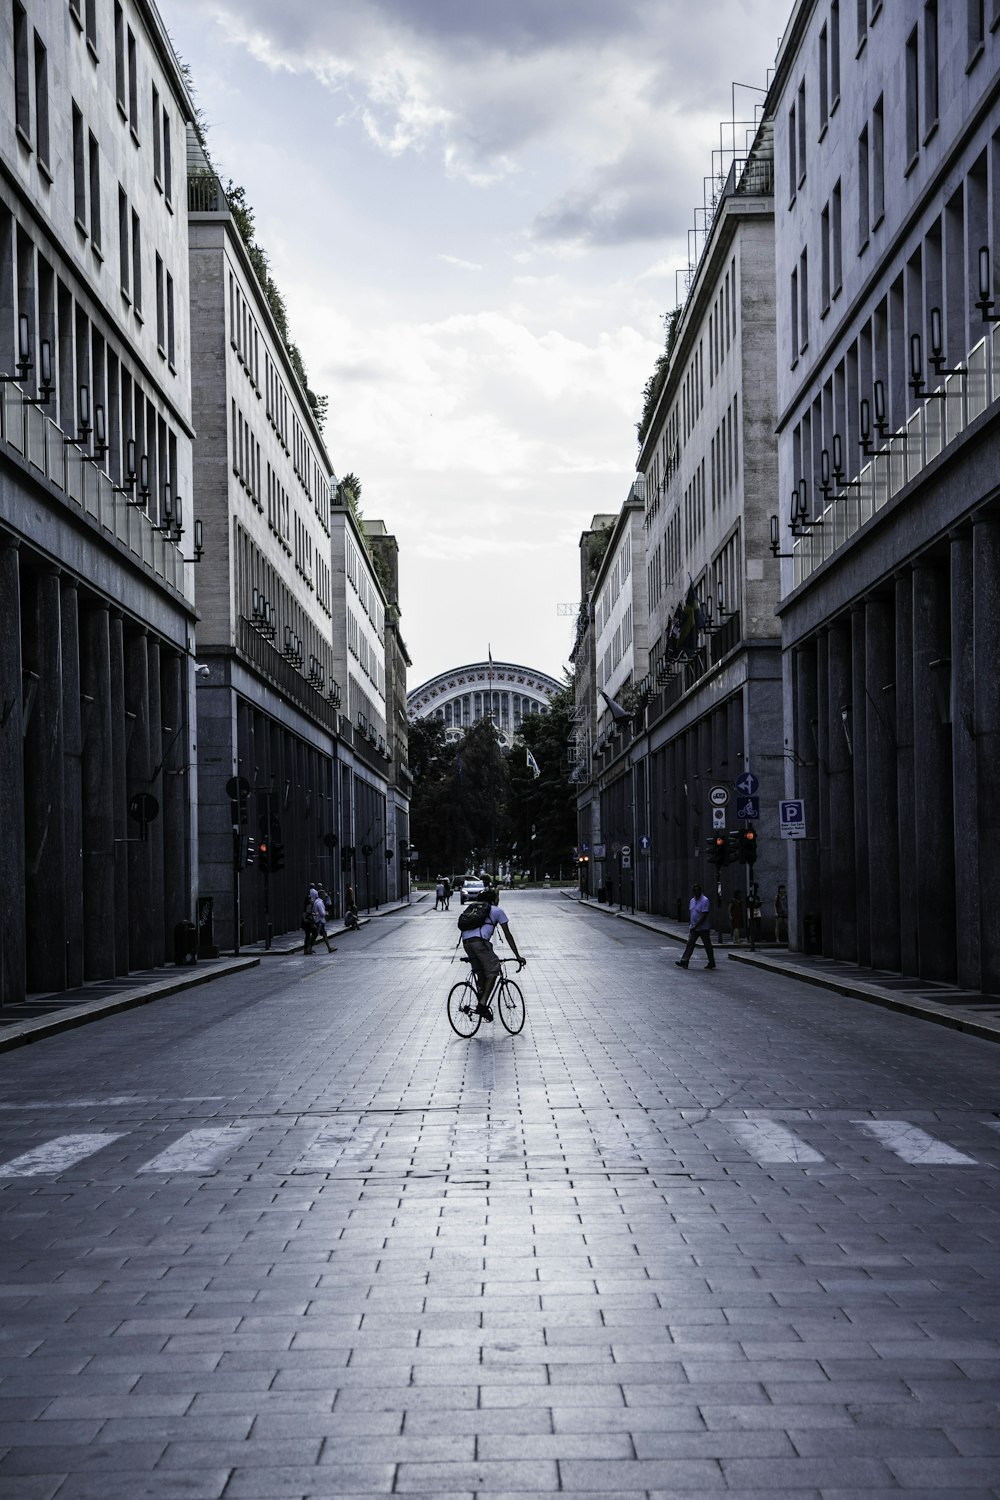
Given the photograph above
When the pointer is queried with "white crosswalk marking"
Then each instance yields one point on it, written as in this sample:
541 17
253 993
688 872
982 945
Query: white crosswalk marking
914 1145
767 1141
58 1154
198 1150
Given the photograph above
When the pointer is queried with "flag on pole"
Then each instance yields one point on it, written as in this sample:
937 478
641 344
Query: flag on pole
618 714
489 657
533 765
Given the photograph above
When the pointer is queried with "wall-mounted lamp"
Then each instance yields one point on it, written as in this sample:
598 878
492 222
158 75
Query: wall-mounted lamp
940 670
23 362
198 543
100 432
987 301
938 357
917 372
846 726
776 540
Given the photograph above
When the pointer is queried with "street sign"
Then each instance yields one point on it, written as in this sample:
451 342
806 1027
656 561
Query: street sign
747 783
792 819
626 859
644 843
748 807
719 796
237 786
584 848
718 817
626 850
600 851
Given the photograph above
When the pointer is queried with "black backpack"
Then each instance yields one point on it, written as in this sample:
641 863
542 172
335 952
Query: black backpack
474 914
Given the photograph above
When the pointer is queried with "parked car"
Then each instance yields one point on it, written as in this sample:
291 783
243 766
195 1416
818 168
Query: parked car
471 889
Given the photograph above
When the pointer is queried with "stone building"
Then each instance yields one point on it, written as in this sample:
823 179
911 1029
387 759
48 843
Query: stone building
887 125
97 774
385 550
483 689
705 703
269 688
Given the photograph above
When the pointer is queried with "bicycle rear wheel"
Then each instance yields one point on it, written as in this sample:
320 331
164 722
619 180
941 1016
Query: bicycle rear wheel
510 1006
462 1008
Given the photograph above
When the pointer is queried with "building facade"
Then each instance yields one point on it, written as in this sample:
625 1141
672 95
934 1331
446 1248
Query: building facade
385 550
703 690
97 753
888 210
269 677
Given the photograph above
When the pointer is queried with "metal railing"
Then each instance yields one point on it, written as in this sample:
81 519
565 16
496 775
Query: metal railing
935 424
87 488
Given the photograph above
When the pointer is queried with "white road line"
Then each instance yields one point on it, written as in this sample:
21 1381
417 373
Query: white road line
56 1155
768 1142
914 1145
198 1150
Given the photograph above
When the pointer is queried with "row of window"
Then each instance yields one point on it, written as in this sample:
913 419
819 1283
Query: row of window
725 455
246 454
369 660
358 577
694 508
722 323
257 577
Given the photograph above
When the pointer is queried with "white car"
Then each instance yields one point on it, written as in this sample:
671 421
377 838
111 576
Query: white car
471 889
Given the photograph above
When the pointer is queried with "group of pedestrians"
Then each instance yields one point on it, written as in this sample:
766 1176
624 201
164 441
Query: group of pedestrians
700 921
442 894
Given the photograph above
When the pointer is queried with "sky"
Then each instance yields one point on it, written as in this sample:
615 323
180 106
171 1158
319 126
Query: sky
478 214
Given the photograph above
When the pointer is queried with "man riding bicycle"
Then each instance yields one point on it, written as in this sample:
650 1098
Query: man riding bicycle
479 950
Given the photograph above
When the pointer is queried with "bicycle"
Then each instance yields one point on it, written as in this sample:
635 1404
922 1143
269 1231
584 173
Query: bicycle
507 1000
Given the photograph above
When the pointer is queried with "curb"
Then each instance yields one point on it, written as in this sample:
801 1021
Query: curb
854 989
94 1010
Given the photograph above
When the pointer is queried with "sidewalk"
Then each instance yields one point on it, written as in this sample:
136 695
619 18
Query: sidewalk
46 1015
945 1005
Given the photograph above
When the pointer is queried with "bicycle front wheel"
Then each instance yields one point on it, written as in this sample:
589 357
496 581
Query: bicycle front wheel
463 1010
510 1006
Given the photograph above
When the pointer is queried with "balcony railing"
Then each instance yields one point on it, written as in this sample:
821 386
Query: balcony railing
87 488
935 424
287 678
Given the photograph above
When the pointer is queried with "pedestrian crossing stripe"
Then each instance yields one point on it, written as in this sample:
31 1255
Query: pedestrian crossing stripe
768 1142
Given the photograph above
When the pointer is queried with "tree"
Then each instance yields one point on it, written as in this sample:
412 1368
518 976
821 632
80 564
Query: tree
654 385
544 807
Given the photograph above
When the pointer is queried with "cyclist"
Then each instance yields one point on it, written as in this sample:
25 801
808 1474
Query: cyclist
479 949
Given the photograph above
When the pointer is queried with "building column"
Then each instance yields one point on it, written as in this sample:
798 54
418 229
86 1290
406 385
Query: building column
859 729
121 825
12 938
142 950
880 750
932 773
157 752
804 897
821 734
174 783
73 789
44 798
843 865
986 726
965 754
97 781
906 799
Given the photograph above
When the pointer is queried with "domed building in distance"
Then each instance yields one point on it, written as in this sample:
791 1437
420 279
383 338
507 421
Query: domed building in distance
463 695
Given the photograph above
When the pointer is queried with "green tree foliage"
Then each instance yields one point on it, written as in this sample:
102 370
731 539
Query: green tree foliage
654 385
543 808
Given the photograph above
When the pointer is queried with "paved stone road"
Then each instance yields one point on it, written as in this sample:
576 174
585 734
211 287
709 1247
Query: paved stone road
286 1235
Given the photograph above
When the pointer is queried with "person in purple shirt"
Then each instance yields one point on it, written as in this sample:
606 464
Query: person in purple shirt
700 910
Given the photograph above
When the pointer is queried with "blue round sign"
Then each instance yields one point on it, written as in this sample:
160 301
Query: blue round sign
747 784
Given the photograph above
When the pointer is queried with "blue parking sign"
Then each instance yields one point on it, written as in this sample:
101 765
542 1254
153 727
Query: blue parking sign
792 818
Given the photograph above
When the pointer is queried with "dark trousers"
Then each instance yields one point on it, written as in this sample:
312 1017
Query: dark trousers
693 936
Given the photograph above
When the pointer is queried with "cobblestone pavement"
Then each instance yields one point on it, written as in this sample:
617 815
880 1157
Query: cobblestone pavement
286 1235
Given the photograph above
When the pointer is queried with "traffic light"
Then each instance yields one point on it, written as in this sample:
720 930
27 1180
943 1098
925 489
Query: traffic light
250 850
276 857
263 856
717 849
748 846
346 858
734 840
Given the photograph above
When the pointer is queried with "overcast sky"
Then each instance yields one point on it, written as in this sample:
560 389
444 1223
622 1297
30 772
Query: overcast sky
475 210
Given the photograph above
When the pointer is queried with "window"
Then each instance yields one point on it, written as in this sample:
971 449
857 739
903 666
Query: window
794 310
977 28
79 171
136 263
124 262
801 108
171 347
804 301
930 66
22 86
878 162
836 252
834 54
864 223
121 92
168 168
41 101
912 96
862 9
793 171
157 151
161 309
824 265
91 25
133 84
824 80
95 192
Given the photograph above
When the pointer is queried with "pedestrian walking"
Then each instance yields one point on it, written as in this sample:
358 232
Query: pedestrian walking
439 894
700 927
319 917
309 923
781 915
446 888
736 917
754 914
